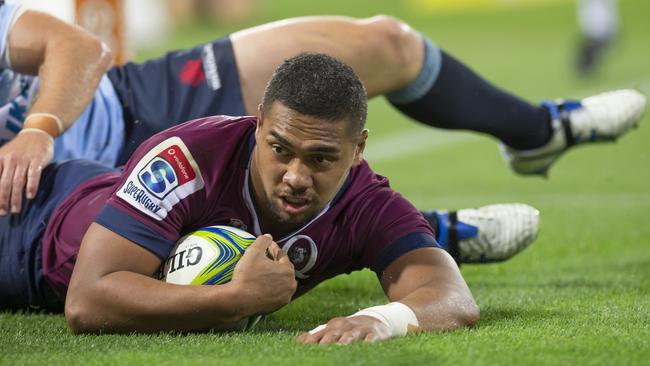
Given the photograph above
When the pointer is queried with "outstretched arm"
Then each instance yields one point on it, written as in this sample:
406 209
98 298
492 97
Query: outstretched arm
112 291
70 63
428 282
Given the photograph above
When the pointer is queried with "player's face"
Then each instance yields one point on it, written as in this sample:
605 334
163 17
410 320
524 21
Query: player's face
299 164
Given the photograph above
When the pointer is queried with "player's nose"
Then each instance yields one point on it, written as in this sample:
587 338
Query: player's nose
297 176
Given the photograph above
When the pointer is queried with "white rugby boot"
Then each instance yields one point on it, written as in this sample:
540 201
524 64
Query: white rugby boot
486 234
602 117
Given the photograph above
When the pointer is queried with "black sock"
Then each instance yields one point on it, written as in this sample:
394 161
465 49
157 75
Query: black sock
460 99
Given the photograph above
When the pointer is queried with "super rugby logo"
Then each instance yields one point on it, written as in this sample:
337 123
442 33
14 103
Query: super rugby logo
162 178
166 171
140 196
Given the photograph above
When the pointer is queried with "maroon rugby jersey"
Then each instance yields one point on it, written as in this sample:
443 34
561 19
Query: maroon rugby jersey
196 174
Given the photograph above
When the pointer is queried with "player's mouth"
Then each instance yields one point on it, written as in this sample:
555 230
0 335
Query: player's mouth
294 205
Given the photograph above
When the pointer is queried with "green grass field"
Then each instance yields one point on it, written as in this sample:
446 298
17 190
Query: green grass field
580 295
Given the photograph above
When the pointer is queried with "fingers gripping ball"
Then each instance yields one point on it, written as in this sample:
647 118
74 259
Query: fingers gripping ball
208 257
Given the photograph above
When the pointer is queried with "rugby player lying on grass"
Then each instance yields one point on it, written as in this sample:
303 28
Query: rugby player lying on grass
295 170
107 132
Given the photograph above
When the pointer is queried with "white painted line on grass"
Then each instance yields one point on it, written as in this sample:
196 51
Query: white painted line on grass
411 142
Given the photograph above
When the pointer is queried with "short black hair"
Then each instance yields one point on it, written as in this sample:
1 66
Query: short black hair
321 86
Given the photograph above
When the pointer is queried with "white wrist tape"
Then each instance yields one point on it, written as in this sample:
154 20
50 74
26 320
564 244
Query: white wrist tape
56 119
395 315
318 329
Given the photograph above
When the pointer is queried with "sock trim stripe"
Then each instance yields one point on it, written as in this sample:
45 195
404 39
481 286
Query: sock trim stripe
425 79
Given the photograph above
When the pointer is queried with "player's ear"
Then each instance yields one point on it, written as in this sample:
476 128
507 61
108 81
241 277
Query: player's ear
260 119
360 147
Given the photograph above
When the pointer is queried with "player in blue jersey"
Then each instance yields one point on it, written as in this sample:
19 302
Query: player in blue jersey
296 172
70 64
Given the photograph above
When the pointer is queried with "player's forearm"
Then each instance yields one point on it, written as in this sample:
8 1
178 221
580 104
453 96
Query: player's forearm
69 61
68 84
429 282
443 307
124 302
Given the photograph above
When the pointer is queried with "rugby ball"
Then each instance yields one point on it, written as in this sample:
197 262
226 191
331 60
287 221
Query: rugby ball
208 256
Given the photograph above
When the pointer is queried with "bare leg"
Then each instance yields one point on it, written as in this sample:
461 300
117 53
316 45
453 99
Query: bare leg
386 53
431 86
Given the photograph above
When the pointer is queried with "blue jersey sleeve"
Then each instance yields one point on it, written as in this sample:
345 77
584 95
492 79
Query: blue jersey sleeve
7 14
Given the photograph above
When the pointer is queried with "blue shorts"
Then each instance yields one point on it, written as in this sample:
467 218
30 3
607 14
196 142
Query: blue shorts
175 88
22 285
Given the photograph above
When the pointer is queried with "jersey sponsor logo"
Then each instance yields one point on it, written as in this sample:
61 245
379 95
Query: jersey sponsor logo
302 251
192 73
210 67
163 177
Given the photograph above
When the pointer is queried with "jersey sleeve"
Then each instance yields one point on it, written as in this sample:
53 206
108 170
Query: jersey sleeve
9 13
160 191
394 228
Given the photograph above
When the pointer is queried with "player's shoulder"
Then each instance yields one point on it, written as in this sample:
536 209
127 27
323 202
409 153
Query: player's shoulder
204 135
198 149
363 181
214 125
367 194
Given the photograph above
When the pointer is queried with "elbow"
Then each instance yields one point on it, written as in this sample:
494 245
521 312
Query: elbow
468 316
79 316
105 59
95 54
99 54
76 319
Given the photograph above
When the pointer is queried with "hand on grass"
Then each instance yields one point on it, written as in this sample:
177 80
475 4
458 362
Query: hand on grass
346 331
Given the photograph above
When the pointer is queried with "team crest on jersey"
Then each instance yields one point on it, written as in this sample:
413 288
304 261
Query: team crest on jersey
302 252
162 178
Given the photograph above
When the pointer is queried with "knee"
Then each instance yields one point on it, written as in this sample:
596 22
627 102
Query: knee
393 39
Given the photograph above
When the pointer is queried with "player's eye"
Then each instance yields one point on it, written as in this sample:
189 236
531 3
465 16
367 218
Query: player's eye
322 160
278 149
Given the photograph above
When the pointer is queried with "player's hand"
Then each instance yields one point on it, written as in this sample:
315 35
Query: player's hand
21 162
346 331
265 277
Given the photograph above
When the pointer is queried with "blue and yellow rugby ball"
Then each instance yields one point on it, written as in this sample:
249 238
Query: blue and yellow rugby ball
206 256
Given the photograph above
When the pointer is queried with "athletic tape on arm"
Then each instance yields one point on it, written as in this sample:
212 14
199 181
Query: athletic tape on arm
395 315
